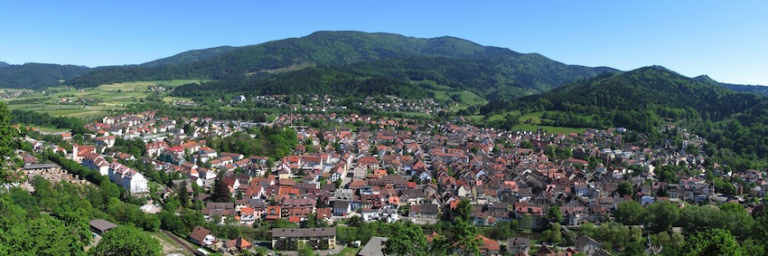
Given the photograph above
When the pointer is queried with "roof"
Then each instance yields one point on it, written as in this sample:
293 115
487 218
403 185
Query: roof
374 247
303 232
199 234
239 242
102 225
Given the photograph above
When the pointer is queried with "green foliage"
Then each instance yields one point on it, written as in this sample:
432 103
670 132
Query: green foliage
647 98
44 119
40 235
660 216
9 161
629 213
712 242
126 241
352 63
406 239
625 188
272 142
37 75
554 215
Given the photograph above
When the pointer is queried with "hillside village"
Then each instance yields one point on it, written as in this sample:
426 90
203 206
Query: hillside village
399 169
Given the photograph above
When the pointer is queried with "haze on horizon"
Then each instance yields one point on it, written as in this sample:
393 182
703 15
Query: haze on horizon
721 39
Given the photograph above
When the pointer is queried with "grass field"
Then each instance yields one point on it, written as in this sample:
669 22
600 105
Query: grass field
531 121
108 97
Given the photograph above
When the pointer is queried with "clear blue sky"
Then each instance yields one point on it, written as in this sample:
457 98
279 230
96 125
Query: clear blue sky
724 39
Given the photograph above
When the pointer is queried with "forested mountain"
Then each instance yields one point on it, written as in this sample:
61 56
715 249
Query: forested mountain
648 98
38 75
4 64
189 56
759 89
451 61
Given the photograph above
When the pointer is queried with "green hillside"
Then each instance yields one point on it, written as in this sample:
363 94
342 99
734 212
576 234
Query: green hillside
649 98
759 89
488 71
189 56
37 75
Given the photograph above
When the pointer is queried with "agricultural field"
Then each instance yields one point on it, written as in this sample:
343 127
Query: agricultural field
444 93
531 121
67 101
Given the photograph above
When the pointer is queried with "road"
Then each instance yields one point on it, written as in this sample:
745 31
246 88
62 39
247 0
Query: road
181 243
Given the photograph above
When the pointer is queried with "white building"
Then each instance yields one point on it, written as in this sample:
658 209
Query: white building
96 162
128 178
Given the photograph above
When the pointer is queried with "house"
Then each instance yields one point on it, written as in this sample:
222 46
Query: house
431 211
237 245
516 245
96 162
374 247
247 216
371 215
588 246
341 207
128 178
239 99
100 226
202 237
487 247
315 238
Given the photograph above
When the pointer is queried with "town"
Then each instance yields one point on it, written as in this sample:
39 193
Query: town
361 169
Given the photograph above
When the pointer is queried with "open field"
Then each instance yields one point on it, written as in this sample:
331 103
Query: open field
102 99
169 246
531 121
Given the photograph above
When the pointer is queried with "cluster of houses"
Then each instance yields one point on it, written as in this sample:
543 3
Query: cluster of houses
330 104
421 172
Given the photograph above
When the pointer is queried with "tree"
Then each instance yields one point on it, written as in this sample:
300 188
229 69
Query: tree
182 193
126 241
712 242
221 192
306 250
660 216
625 188
406 239
629 213
9 161
554 215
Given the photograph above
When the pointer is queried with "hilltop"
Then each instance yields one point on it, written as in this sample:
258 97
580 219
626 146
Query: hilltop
37 75
458 63
647 99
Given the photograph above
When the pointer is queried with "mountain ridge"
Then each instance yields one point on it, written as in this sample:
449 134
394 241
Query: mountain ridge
513 74
38 75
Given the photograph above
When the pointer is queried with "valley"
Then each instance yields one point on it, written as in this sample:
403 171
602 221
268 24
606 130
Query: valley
349 143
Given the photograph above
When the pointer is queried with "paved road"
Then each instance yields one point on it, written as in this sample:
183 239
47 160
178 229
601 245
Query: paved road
178 240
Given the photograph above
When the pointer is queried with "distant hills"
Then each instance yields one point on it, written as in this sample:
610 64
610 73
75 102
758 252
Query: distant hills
488 71
37 75
3 64
189 56
337 62
759 89
647 98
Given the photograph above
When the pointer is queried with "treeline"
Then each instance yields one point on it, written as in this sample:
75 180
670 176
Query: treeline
44 119
646 99
741 233
274 143
38 75
315 80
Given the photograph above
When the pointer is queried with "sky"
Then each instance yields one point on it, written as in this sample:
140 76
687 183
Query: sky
724 39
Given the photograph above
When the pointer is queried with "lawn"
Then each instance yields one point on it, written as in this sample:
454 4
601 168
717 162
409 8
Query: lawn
548 129
348 251
530 122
